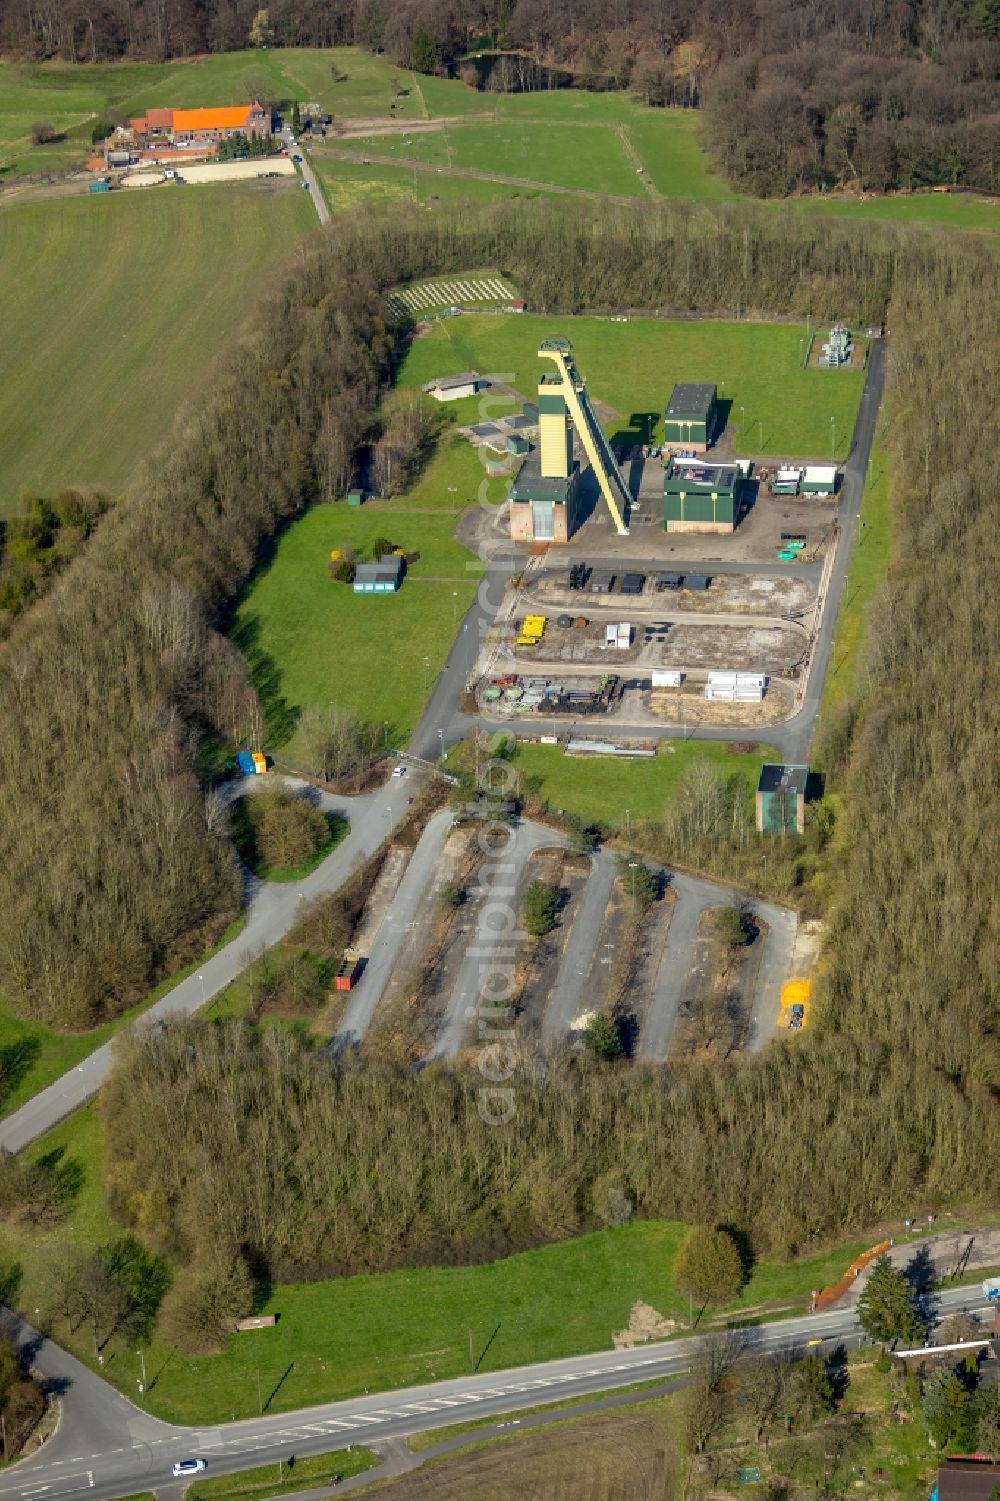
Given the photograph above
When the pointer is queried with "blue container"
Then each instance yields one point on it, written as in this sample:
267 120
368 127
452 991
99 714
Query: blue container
244 761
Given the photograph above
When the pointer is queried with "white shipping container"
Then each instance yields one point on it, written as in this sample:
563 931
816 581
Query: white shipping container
667 677
624 636
611 635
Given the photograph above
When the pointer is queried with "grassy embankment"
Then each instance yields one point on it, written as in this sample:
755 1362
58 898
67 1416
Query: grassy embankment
33 1055
388 1330
311 1470
603 790
96 357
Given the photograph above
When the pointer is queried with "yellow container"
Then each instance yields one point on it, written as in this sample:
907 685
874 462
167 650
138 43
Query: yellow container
260 762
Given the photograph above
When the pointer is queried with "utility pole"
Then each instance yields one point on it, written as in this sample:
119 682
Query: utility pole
472 1358
260 1399
833 436
142 1362
760 430
633 866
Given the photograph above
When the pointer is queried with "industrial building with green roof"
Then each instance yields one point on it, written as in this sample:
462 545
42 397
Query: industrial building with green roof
700 497
690 419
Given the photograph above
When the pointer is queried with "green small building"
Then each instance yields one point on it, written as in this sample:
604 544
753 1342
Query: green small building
781 799
690 418
700 497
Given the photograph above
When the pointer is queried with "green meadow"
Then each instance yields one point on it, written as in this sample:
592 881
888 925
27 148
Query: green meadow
312 641
108 336
776 406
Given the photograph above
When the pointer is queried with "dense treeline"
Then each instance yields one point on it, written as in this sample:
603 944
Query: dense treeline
39 540
113 867
796 96
913 952
820 118
226 1139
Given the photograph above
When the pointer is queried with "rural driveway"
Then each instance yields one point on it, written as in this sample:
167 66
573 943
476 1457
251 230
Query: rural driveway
417 879
566 1001
271 909
308 176
489 940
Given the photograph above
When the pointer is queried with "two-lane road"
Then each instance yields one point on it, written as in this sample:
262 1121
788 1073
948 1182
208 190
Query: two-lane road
143 1450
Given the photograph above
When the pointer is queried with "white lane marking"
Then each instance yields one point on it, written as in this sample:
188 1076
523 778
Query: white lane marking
361 1417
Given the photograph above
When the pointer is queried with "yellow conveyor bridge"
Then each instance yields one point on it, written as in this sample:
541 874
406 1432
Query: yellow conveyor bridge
598 450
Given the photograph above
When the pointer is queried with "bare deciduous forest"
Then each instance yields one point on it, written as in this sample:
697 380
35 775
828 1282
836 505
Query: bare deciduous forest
326 1169
796 96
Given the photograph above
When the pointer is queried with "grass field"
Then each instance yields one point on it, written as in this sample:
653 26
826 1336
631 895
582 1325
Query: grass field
590 159
274 1480
106 336
312 641
33 1055
349 185
602 789
947 210
632 366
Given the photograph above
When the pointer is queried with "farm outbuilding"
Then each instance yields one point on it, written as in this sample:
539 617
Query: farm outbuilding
454 387
700 497
690 419
781 799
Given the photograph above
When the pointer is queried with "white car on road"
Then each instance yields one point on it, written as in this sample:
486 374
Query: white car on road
189 1467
